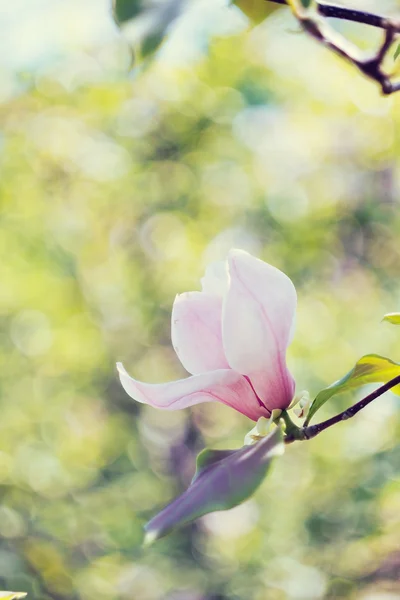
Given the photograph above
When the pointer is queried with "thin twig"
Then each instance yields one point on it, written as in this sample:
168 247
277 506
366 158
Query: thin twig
313 21
306 433
346 14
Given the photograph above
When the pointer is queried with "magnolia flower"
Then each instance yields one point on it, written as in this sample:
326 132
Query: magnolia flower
232 337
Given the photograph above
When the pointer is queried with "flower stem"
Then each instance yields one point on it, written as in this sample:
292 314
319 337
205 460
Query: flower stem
294 433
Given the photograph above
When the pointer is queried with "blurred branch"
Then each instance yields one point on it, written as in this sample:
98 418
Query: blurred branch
313 21
307 433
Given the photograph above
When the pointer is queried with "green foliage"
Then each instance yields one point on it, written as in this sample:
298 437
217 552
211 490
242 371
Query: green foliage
146 22
256 10
124 10
371 368
396 52
393 318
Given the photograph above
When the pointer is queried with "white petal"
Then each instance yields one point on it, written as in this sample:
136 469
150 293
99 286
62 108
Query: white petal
196 332
258 315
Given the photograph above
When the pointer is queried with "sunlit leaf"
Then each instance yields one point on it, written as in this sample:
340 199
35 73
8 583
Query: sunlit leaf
256 10
223 479
393 318
12 595
371 368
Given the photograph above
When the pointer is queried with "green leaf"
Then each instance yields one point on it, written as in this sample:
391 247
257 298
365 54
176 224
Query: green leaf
223 479
124 10
256 10
12 595
145 23
397 52
393 318
371 368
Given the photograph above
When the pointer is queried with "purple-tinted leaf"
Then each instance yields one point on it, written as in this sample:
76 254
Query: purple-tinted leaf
223 479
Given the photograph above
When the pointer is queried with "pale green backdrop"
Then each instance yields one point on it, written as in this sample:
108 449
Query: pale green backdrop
117 188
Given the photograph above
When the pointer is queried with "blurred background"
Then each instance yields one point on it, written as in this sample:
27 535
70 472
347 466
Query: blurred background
117 188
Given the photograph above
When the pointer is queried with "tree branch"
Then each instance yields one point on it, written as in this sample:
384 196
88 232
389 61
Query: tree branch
313 21
346 14
306 433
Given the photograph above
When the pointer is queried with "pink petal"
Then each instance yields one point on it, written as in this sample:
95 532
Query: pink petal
223 385
257 326
197 332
